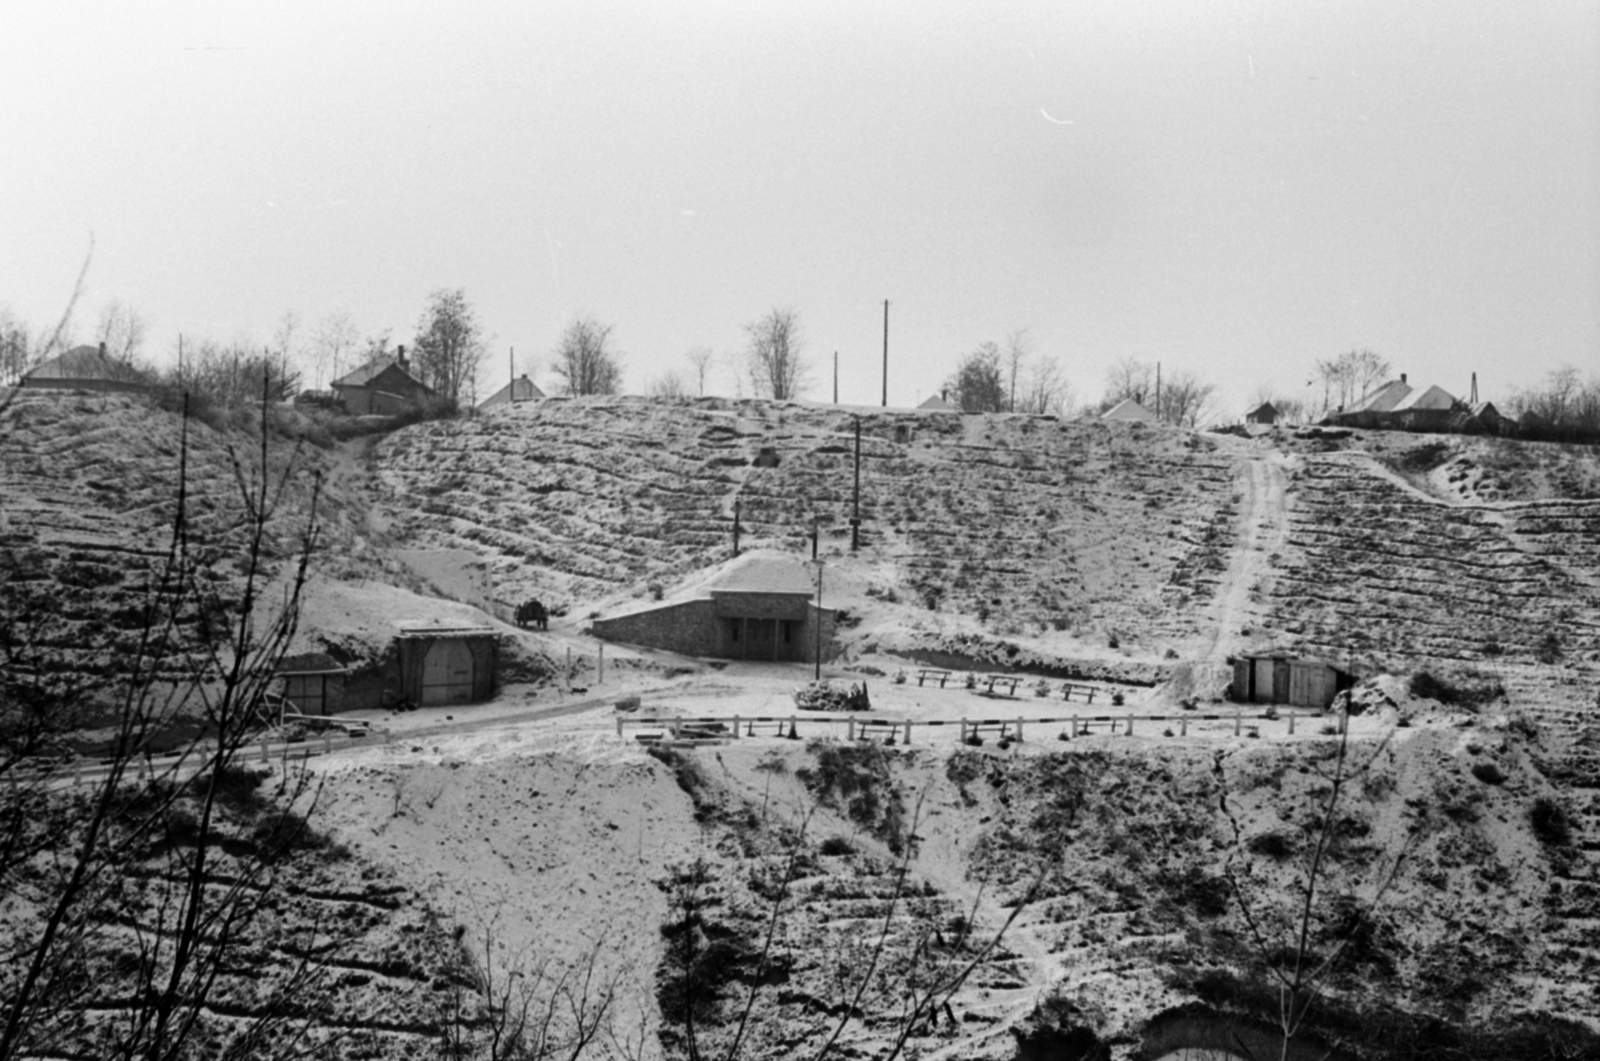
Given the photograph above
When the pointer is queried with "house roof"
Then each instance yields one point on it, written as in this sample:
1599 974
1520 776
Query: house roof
764 574
1128 409
518 390
1383 398
938 402
1434 397
370 371
1264 407
85 362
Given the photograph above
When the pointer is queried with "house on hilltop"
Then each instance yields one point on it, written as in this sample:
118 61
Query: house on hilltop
759 607
940 403
1397 404
383 386
518 390
1265 413
87 368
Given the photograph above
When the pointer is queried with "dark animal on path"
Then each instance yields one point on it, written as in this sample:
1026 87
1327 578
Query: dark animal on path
533 613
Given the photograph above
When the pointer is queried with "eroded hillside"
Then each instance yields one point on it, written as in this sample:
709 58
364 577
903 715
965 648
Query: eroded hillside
970 901
1028 523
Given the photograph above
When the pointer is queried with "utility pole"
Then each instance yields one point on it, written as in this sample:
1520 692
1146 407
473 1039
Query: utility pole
836 377
885 355
511 362
855 518
816 651
736 526
1158 393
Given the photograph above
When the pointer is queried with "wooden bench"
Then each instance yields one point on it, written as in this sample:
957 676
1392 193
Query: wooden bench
778 727
867 729
1010 681
929 673
972 732
1085 692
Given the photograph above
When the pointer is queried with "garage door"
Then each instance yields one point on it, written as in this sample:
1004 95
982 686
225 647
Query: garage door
447 673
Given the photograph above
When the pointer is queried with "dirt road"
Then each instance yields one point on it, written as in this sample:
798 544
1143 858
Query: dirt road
1263 530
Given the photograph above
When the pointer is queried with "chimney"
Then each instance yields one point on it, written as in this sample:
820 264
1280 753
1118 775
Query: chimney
1402 377
400 358
944 395
102 349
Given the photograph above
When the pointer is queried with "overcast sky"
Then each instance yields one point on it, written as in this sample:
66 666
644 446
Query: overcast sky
1234 189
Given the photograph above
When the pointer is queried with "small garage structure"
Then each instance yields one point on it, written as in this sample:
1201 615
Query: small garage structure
1282 678
759 608
312 682
446 663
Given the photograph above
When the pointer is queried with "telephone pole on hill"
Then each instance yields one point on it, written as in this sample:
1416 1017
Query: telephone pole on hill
886 353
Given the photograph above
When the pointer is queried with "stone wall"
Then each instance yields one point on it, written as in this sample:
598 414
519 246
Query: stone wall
689 628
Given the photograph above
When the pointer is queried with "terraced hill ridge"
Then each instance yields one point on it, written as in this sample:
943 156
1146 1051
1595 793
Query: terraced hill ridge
1031 523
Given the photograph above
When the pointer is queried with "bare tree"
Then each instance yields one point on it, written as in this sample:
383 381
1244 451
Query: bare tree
1186 400
1350 376
122 329
127 903
16 348
1296 951
1046 391
978 385
772 355
449 344
60 337
700 359
668 385
1130 378
585 359
336 340
1017 349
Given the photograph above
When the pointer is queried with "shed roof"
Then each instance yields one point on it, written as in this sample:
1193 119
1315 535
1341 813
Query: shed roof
940 403
764 574
310 663
443 628
1433 397
1128 409
1266 408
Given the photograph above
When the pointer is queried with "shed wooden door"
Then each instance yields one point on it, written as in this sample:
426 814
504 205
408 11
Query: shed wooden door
447 673
1311 685
1263 683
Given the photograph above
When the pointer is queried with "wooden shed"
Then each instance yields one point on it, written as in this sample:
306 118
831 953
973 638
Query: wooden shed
312 682
1280 678
446 663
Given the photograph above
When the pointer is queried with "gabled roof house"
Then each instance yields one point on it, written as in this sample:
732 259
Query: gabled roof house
383 386
88 368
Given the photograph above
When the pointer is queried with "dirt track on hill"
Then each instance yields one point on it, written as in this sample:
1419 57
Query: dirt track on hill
1263 531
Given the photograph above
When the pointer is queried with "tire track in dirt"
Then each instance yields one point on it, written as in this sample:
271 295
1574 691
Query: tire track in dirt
1263 532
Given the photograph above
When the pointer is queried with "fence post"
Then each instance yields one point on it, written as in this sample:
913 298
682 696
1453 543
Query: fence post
1344 720
735 727
1238 722
619 725
850 731
1019 730
1183 727
600 665
1130 725
263 749
908 732
569 668
1291 723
